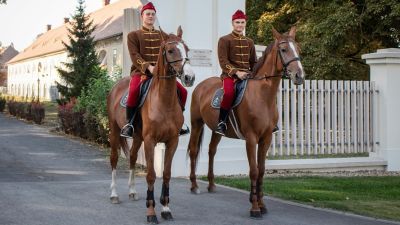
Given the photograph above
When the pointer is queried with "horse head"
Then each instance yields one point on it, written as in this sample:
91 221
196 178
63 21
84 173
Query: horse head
175 54
289 59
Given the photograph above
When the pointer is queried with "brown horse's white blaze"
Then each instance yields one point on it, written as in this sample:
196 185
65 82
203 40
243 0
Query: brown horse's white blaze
162 119
257 114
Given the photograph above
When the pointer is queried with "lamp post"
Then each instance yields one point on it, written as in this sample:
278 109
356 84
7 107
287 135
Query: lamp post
38 89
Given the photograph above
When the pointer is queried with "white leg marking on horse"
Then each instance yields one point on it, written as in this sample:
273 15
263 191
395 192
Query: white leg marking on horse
165 209
295 54
131 182
113 186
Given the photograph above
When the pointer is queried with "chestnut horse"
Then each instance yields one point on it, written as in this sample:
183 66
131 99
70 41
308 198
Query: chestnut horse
161 116
257 114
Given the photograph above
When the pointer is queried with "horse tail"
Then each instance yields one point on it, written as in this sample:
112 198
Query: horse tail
124 146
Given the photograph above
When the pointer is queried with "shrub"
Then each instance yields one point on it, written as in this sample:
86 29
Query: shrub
72 122
93 101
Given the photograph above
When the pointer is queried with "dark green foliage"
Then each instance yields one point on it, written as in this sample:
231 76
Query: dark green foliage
333 34
93 101
83 63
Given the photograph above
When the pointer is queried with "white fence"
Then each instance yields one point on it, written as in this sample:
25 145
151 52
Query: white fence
326 117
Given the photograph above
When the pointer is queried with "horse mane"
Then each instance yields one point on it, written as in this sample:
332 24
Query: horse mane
261 60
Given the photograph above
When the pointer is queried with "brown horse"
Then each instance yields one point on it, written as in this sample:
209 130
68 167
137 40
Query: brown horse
257 113
161 116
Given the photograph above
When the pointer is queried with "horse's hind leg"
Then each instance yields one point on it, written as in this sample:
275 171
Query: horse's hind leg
215 139
194 151
115 145
171 146
137 142
263 147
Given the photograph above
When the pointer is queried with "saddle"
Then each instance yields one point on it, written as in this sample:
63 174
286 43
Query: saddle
144 90
240 88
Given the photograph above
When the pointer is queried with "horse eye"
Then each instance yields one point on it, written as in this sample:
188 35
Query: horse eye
170 51
283 50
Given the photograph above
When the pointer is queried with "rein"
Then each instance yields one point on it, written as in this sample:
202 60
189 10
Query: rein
284 64
175 73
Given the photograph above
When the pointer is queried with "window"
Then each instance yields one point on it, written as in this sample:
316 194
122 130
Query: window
114 57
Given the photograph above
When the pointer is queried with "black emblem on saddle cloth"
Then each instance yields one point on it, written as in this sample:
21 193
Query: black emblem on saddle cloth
144 90
240 88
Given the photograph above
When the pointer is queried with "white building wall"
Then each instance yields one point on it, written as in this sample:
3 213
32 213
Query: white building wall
23 76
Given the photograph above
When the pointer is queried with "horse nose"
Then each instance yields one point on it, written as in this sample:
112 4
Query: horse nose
187 78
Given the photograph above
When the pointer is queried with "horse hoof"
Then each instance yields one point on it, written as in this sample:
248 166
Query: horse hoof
255 215
152 219
114 200
133 196
263 210
195 191
212 189
166 216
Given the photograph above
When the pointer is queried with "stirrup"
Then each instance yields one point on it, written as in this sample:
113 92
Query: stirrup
127 126
222 130
183 131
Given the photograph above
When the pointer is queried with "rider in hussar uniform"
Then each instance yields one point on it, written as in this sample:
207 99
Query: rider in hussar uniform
144 46
237 56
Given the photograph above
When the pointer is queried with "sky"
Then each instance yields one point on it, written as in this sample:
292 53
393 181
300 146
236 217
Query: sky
22 20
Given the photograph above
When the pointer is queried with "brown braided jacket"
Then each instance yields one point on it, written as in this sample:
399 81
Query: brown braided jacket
236 52
144 46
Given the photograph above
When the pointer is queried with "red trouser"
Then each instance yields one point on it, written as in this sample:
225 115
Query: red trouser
229 93
134 90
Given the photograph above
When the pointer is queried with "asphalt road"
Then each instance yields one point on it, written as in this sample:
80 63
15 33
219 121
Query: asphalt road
46 179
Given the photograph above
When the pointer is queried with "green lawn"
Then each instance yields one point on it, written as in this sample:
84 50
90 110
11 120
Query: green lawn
371 196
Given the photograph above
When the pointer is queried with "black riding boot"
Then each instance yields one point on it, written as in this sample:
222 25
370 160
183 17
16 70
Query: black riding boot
223 116
127 130
185 129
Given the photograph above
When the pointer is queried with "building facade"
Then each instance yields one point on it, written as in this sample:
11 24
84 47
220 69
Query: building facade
33 72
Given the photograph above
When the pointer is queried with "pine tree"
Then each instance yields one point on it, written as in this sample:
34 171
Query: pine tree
83 62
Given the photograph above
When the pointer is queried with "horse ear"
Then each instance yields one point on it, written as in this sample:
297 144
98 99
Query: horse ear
275 33
179 32
292 32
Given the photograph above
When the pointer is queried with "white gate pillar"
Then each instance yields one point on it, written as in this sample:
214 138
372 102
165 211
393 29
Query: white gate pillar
385 72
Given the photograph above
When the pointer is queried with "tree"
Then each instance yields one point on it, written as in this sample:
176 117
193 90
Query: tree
83 64
333 34
3 2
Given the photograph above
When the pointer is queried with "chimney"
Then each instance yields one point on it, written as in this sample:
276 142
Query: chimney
106 2
66 20
48 27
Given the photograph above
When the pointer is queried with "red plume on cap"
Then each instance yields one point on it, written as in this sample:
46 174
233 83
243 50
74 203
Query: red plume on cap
148 6
239 14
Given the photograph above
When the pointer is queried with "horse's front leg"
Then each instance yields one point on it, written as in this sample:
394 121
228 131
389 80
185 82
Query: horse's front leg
212 150
251 157
170 149
137 142
149 145
263 147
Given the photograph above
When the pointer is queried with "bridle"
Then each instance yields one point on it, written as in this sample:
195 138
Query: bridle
285 65
171 69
